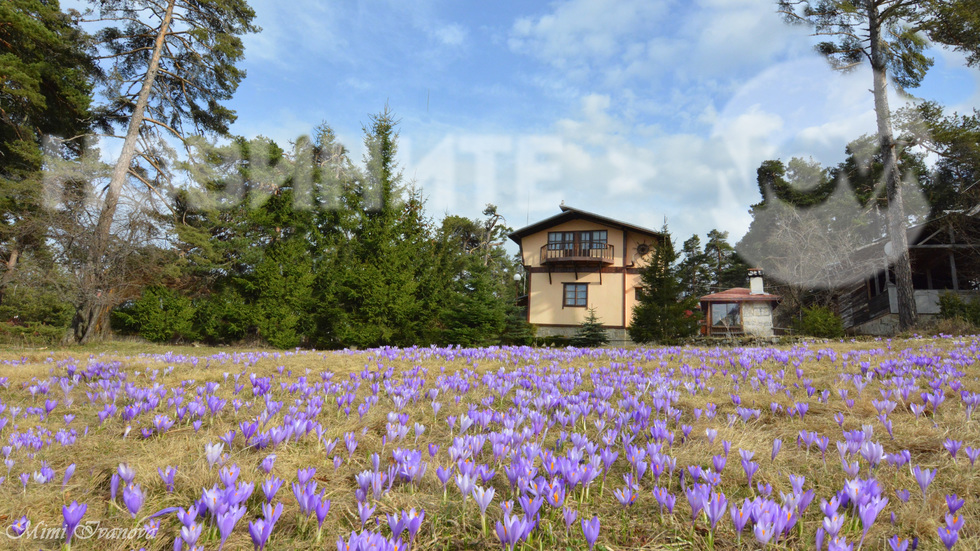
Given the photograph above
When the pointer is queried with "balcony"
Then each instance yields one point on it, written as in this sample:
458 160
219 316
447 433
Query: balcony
600 254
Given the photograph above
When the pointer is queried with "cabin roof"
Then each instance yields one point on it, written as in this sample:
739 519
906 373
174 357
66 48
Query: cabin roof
740 294
569 213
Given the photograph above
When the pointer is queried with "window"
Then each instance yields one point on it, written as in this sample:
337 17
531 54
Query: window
577 243
725 314
593 239
576 295
558 240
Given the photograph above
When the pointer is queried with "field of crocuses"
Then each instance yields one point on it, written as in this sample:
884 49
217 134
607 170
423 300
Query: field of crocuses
819 446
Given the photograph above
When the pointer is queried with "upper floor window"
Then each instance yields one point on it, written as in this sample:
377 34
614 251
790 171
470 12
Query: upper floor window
577 241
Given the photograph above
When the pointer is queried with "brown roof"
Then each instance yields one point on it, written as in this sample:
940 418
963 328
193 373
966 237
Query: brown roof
569 213
740 294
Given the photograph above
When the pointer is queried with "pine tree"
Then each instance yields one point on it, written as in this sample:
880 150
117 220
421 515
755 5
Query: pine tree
372 286
45 91
169 67
591 334
695 270
662 315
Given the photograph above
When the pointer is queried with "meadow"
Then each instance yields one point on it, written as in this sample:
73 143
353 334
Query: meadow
842 445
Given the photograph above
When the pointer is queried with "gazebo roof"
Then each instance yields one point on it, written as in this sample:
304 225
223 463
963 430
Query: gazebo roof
740 294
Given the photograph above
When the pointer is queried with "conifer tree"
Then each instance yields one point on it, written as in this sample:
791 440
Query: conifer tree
590 334
45 92
662 314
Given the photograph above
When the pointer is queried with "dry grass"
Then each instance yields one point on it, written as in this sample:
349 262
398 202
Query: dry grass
446 527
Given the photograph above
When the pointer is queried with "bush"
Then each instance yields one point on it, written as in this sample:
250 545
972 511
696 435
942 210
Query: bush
820 321
955 326
31 334
952 306
160 315
554 341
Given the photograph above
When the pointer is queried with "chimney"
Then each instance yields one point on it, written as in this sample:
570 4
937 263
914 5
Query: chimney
755 282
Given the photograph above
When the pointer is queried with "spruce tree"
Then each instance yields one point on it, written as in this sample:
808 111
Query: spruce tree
662 315
591 334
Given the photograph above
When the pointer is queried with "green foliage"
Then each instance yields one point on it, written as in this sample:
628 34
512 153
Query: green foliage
517 331
44 93
728 267
225 317
695 270
198 69
160 315
662 314
952 306
591 334
38 293
385 282
474 315
820 321
284 292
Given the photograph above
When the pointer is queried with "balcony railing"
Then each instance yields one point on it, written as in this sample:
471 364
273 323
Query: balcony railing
585 253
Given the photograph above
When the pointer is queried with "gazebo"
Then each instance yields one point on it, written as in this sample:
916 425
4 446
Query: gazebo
740 311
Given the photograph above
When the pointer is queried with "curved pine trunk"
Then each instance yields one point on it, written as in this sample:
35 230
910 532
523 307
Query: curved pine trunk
897 223
91 316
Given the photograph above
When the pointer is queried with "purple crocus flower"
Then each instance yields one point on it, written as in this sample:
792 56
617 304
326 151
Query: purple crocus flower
270 486
465 485
763 532
190 533
212 453
590 529
73 516
113 487
972 454
227 522
715 508
414 522
20 526
69 471
625 496
568 514
365 511
512 530
924 477
776 445
268 463
898 544
304 475
483 497
256 530
952 446
133 498
321 508
167 474
948 536
954 502
126 473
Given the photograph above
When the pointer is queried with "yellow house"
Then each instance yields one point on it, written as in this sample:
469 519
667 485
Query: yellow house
578 260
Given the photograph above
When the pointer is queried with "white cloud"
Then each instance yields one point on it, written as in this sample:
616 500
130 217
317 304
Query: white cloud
451 35
583 31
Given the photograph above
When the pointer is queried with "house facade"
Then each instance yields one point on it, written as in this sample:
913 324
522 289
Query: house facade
578 260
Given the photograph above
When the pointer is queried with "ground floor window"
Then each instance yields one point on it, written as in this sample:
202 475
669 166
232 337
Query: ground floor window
725 314
576 294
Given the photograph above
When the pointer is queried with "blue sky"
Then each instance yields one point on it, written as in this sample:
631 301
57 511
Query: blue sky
634 109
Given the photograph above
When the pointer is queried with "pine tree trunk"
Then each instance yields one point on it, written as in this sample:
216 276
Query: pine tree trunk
893 179
8 274
91 316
